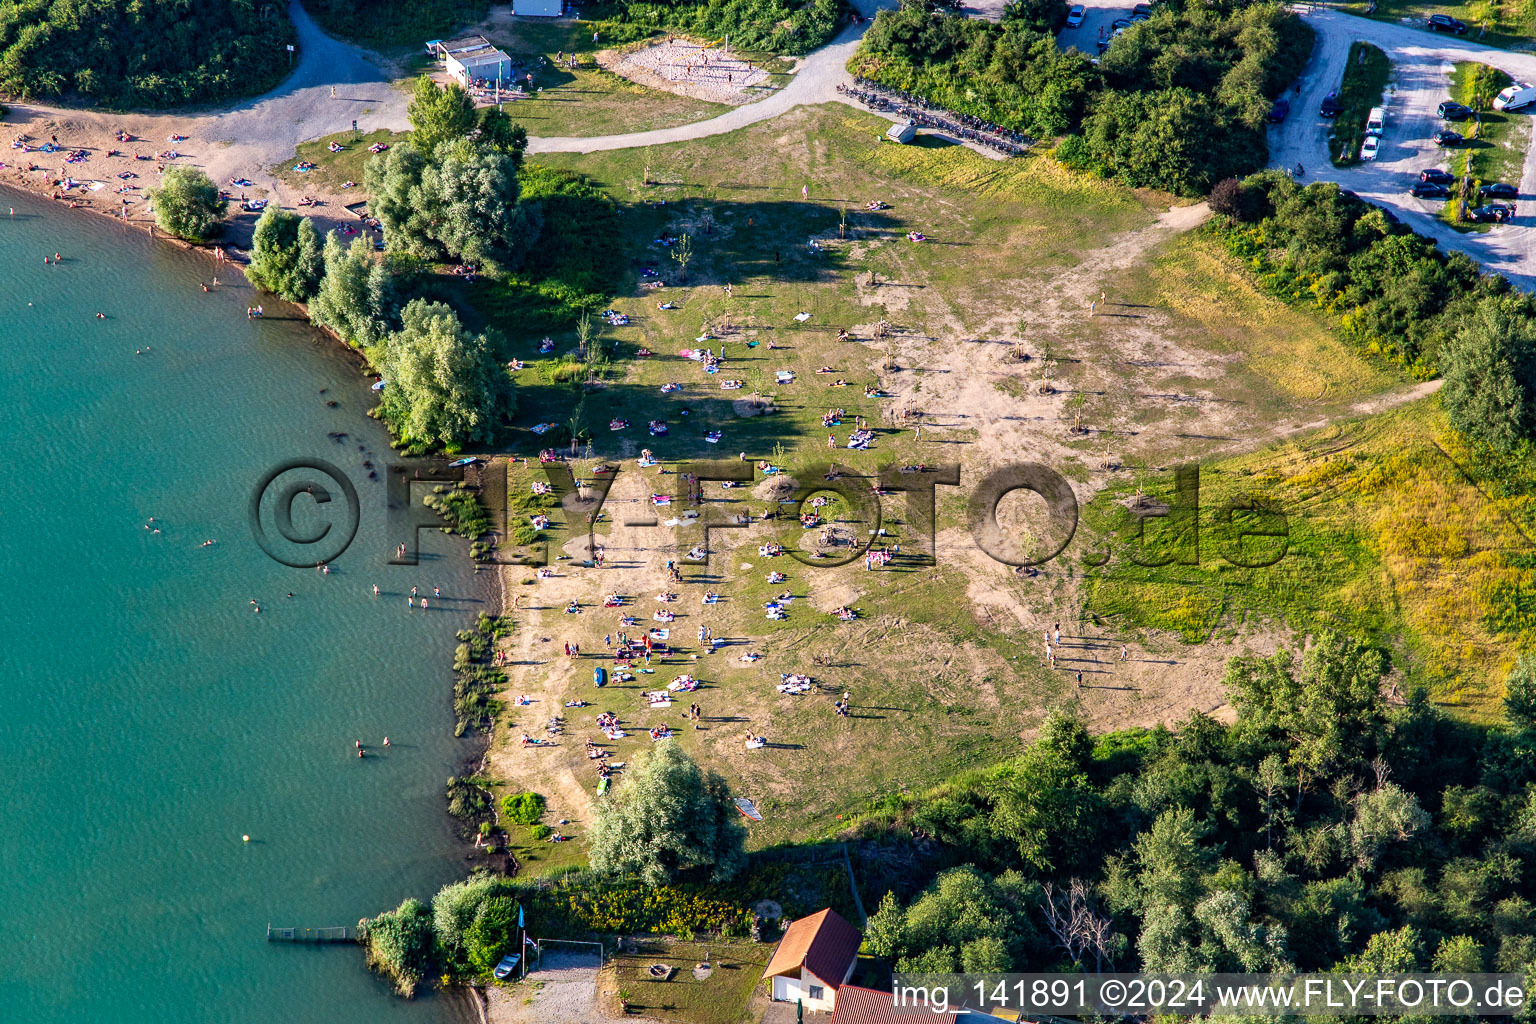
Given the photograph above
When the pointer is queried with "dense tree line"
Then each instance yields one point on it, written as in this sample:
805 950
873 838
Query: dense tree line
1395 294
777 26
126 53
1324 828
1177 102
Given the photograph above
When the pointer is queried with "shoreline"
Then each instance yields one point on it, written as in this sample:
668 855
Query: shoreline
496 587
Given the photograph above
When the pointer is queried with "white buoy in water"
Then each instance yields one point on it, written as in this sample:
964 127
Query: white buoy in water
245 839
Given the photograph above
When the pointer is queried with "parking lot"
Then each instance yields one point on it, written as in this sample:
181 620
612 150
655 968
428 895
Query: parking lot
1422 63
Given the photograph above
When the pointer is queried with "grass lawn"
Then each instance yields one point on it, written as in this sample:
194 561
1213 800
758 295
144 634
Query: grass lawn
1365 80
1506 24
591 101
721 998
1496 141
332 170
1393 532
1185 359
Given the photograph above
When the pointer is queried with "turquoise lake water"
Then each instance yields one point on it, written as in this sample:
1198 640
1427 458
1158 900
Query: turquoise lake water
148 717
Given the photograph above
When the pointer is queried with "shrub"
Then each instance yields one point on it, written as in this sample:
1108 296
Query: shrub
187 203
400 944
522 808
541 832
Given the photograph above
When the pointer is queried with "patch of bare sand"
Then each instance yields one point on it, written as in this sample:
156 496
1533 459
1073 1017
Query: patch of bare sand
1161 679
696 70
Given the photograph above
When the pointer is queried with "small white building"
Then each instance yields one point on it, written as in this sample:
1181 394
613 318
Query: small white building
813 960
538 8
472 58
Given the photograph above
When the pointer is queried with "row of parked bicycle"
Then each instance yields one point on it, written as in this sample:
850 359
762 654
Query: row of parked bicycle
922 113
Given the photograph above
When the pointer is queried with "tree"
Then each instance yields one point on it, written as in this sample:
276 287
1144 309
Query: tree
682 253
287 257
439 114
1330 711
1387 814
400 944
446 388
668 816
359 296
964 919
187 203
1490 374
1174 139
498 133
1520 693
460 203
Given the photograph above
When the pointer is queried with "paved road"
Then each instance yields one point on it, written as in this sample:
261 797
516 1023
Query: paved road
1422 64
1098 23
815 82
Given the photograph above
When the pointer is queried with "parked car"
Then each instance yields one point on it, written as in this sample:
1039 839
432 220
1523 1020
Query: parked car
1514 97
1493 213
1142 9
1278 112
1436 176
1369 147
1141 17
1499 190
1444 23
1075 15
1330 107
1430 190
1447 138
1375 121
1450 110
1120 24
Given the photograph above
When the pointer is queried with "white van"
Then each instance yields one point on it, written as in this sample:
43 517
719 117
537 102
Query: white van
1375 121
1521 94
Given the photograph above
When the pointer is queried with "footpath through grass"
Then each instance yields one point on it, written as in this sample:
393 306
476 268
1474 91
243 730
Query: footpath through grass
1365 79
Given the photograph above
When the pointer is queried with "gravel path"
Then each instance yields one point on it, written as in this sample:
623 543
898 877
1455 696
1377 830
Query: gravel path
567 994
1422 64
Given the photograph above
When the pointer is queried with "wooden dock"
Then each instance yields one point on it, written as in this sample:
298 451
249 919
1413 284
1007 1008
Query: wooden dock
343 934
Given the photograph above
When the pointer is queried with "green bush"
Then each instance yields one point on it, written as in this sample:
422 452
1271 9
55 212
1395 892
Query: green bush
522 808
541 832
1394 293
400 944
1177 102
187 203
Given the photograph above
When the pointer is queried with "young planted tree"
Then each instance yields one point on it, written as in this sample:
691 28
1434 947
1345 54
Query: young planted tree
187 203
682 252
